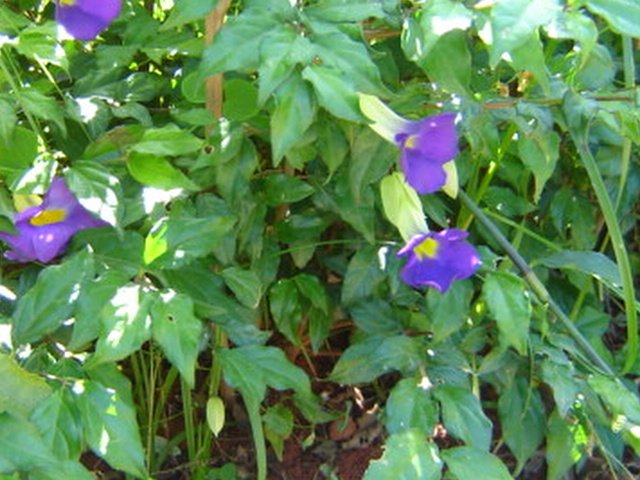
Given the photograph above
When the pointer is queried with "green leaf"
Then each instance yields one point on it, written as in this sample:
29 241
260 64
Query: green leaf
22 449
113 250
338 51
96 189
539 152
245 100
371 158
278 426
251 368
509 304
622 15
410 406
364 274
294 112
110 427
522 419
562 379
186 11
51 299
463 417
156 171
21 390
334 92
245 284
169 140
407 456
567 442
312 289
237 45
281 188
402 206
8 122
465 463
620 400
435 19
175 240
514 21
279 52
365 361
58 419
332 145
449 310
126 324
449 63
177 331
596 264
284 304
41 106
17 151
345 10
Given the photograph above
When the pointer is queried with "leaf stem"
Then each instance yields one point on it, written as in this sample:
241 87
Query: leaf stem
534 283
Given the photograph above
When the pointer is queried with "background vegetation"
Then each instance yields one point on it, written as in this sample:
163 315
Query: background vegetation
249 257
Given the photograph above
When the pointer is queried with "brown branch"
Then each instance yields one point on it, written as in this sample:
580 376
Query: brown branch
213 86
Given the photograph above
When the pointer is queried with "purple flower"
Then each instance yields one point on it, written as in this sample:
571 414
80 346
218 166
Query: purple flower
44 231
436 259
428 145
85 19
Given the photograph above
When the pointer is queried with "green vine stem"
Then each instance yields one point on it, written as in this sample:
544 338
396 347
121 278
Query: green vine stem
534 283
617 242
629 82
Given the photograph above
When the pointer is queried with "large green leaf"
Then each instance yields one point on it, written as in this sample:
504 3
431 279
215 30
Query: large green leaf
593 263
18 151
245 284
168 140
58 420
509 303
110 427
22 449
237 45
155 171
407 456
365 361
294 112
335 92
345 10
622 15
364 274
179 238
567 442
177 331
284 304
465 463
281 188
449 310
522 419
51 299
21 391
463 417
539 152
410 406
514 21
186 11
96 189
126 324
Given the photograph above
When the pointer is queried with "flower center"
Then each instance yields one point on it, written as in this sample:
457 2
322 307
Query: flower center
47 217
410 142
428 248
67 2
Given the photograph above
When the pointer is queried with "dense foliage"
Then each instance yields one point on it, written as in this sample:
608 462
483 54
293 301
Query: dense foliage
249 211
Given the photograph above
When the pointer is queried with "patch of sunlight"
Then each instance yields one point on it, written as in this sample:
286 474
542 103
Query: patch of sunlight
440 25
5 336
88 109
103 445
153 197
78 387
382 258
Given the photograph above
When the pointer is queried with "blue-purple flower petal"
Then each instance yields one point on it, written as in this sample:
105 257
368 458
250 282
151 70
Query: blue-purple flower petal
85 19
427 145
449 257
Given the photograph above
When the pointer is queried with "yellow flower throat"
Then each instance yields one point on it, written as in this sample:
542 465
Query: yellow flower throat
47 217
428 248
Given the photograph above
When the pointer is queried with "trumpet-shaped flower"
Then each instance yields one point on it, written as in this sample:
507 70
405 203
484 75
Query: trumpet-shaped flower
436 259
42 232
85 19
428 145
